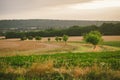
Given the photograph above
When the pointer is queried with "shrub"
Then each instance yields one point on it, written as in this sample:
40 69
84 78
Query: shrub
49 39
57 38
30 37
23 38
38 38
60 38
65 38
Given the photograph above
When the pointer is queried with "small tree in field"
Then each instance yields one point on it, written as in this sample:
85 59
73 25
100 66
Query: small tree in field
49 39
60 38
93 37
30 37
57 38
23 38
65 38
38 38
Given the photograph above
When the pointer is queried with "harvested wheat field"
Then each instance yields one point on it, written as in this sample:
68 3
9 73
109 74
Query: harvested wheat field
106 38
79 38
16 46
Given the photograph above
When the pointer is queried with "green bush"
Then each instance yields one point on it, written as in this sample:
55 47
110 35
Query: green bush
38 38
49 39
60 39
57 38
30 37
23 38
65 38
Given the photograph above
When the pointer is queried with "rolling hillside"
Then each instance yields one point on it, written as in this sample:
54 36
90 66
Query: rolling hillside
45 23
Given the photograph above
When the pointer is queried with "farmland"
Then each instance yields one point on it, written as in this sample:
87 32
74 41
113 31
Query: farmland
68 66
60 40
11 47
43 60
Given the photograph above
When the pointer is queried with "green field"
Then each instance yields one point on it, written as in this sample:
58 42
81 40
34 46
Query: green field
112 43
67 66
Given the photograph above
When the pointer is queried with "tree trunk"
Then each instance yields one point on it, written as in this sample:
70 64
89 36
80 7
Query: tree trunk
94 47
65 43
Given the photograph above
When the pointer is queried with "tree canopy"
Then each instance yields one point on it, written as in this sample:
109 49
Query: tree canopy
93 37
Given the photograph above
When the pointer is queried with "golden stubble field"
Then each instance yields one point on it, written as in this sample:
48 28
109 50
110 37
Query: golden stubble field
13 46
79 38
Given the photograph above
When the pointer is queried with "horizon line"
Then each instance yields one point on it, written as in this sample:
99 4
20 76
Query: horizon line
59 19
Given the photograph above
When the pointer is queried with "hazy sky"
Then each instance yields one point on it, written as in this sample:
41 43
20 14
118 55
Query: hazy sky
60 9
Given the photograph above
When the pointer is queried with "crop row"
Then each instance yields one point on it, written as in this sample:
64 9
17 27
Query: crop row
111 59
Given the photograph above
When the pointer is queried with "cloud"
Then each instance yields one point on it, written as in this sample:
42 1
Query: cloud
96 4
37 3
13 6
62 9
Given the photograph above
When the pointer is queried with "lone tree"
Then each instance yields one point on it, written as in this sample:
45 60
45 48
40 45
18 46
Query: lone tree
38 38
57 38
93 37
65 38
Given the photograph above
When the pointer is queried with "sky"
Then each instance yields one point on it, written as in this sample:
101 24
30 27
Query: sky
60 9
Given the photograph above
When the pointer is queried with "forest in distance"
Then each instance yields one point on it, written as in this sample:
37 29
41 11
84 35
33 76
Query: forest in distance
48 23
105 29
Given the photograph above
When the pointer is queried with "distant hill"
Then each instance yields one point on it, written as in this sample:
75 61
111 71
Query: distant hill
45 24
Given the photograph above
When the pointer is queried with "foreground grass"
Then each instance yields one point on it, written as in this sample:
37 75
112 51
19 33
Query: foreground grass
68 66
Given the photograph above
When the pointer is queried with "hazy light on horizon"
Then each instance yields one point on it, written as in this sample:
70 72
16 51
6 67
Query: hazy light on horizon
96 4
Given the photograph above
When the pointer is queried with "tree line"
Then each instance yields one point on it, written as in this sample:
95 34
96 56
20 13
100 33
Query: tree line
47 23
105 29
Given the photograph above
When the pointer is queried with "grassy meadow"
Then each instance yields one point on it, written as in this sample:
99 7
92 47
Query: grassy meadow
43 60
